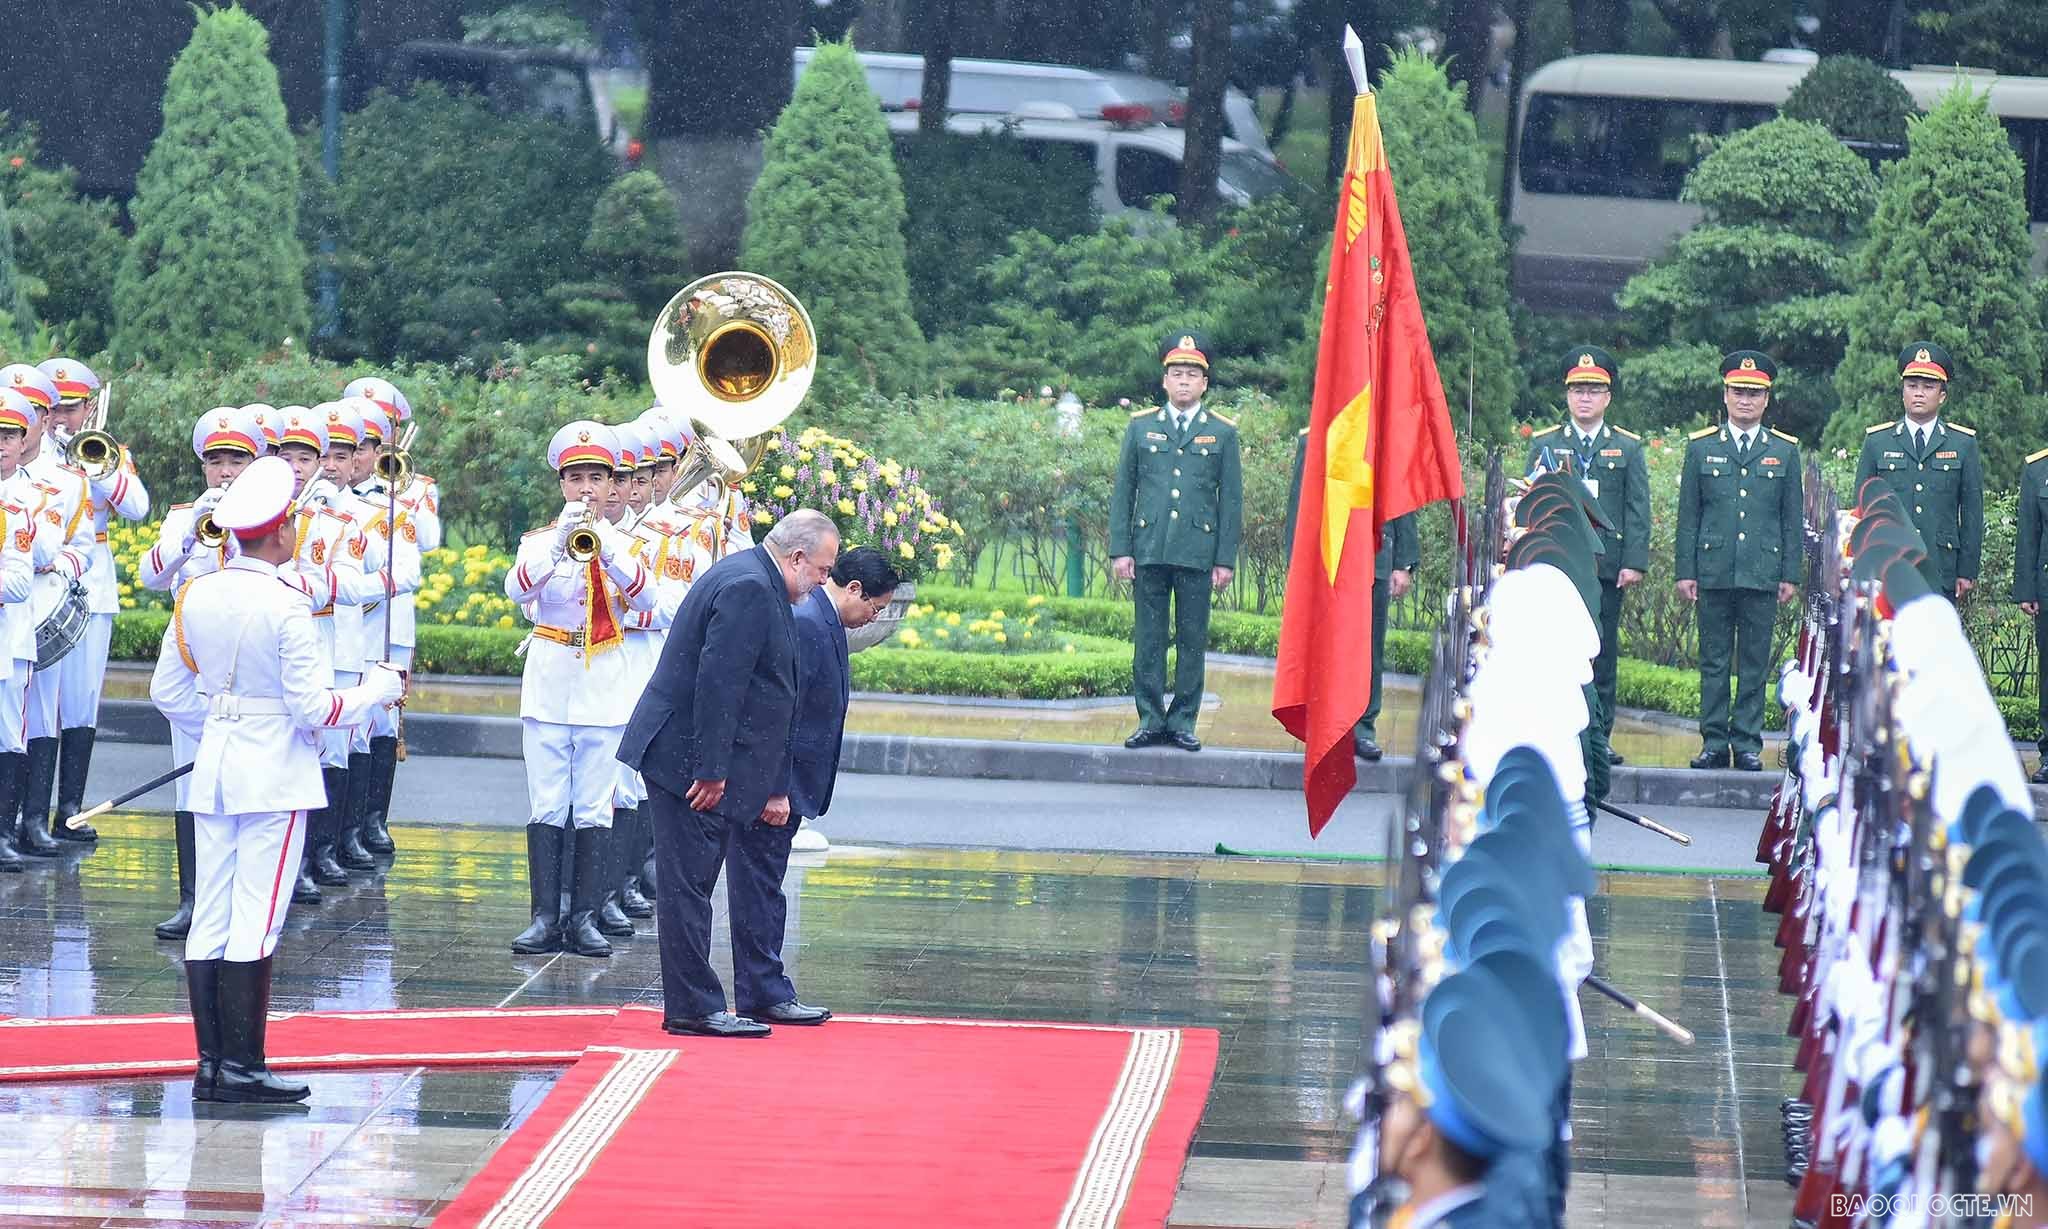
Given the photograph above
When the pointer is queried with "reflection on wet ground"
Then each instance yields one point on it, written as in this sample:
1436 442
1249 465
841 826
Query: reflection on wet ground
1269 954
1240 715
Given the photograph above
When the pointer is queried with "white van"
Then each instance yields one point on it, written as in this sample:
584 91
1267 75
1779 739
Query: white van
1606 142
1003 87
1133 163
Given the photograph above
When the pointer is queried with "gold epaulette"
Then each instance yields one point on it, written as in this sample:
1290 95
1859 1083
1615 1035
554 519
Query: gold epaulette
1790 439
1537 435
1883 426
2035 456
1703 433
1628 434
1969 431
1227 421
543 529
1144 413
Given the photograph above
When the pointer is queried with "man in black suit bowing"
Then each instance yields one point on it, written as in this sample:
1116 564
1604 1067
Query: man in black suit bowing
858 590
711 735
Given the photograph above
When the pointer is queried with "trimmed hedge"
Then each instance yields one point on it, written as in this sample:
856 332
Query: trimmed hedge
1036 676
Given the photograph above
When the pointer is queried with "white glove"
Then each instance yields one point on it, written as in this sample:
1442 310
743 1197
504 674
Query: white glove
385 682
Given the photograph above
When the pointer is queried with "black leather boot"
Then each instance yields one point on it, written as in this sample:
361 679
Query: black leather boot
202 982
33 836
74 758
13 768
580 936
632 849
245 1076
348 848
383 772
544 886
179 924
611 918
326 829
304 890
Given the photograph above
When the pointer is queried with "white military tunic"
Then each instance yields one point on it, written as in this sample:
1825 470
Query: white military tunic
18 543
574 702
82 672
663 539
61 503
242 673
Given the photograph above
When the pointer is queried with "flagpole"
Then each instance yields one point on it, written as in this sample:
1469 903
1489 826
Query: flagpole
1354 55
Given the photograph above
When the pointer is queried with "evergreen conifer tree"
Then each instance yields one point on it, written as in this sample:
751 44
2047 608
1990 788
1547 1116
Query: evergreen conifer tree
1854 98
215 265
1765 268
16 321
826 220
1948 261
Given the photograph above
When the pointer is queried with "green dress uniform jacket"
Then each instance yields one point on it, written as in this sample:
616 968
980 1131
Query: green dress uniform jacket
1942 487
1621 476
1740 518
1179 496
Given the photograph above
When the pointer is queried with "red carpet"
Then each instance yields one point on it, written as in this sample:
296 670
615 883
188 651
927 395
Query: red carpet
864 1121
123 1047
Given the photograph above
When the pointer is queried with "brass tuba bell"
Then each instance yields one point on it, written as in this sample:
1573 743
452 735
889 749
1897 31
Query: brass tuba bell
734 353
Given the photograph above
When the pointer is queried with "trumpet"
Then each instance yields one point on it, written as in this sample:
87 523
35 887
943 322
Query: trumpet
394 462
583 544
207 533
93 449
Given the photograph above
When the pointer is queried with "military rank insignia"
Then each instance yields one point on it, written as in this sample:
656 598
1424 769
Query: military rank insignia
356 546
24 539
411 534
319 551
673 569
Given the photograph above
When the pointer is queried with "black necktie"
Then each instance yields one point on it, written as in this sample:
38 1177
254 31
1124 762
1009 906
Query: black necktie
1920 439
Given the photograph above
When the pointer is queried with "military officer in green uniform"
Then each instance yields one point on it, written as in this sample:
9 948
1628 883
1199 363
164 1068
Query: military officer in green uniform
1393 571
1609 460
1174 524
1738 555
2030 581
1934 467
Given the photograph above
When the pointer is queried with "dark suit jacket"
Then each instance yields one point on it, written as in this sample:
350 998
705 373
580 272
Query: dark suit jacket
723 695
824 683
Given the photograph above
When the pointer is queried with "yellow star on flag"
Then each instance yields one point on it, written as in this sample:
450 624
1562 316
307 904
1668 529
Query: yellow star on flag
1347 475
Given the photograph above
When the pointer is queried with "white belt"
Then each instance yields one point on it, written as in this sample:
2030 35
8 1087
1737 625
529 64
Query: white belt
230 707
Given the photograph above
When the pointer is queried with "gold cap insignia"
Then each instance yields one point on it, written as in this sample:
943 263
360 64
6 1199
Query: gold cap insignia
583 437
1749 364
1187 342
222 420
1922 356
17 377
60 374
334 416
1585 360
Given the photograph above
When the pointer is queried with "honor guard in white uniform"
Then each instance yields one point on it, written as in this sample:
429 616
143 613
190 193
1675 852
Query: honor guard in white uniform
59 498
369 779
116 490
267 418
419 522
578 579
18 544
356 569
243 673
226 440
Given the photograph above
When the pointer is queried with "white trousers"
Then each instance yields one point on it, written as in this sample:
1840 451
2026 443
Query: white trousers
242 884
183 749
14 708
82 673
572 772
43 688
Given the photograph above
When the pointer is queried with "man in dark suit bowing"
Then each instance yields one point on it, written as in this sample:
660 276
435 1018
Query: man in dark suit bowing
858 590
711 735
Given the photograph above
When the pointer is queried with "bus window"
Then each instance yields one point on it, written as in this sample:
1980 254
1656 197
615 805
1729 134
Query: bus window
2029 139
1639 148
1142 174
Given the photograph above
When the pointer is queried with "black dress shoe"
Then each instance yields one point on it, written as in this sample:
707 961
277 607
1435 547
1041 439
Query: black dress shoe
1145 738
1185 740
717 1024
1749 761
1613 756
2040 776
1366 749
791 1012
1711 759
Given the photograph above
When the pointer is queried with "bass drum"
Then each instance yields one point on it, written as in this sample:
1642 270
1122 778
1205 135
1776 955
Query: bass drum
61 618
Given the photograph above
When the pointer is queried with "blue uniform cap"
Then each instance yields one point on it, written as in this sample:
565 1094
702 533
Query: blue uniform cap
1982 804
1490 1082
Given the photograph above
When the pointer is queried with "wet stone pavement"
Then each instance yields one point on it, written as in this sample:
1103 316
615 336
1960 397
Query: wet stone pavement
1268 953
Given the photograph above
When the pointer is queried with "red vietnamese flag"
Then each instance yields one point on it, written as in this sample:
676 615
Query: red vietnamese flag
1380 445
